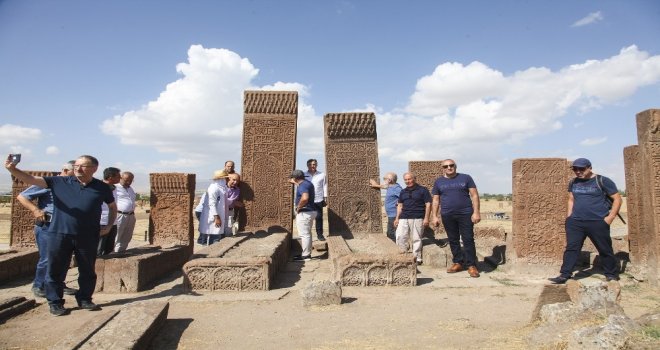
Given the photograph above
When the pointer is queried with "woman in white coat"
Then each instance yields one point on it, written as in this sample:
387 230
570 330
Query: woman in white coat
214 210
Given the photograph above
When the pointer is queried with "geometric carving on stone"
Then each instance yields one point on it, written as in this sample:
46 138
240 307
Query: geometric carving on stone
539 209
648 192
351 152
426 172
267 159
21 232
638 233
370 261
241 262
170 218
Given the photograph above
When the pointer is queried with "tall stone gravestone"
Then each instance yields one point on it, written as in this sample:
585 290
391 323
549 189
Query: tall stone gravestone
426 172
351 153
539 209
268 158
22 220
643 188
170 219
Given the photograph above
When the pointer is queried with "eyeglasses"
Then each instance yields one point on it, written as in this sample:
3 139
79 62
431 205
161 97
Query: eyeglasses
446 166
579 168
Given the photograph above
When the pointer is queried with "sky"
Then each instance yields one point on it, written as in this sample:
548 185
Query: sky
157 86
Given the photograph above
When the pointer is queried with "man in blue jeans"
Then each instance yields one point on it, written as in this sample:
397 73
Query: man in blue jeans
593 203
74 228
391 200
459 209
42 212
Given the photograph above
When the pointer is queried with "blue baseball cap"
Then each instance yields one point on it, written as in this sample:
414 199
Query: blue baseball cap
582 163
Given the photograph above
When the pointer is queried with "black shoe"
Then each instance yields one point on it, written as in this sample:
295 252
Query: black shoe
558 280
302 258
70 291
320 238
88 305
38 292
612 278
58 310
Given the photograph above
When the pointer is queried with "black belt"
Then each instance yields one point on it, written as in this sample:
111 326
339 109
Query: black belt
125 212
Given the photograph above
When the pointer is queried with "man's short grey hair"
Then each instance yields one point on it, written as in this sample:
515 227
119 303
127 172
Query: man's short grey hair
68 165
392 176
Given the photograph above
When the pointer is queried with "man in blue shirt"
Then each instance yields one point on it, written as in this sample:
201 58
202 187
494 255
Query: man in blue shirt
457 196
74 228
43 213
391 200
305 213
412 216
317 178
593 203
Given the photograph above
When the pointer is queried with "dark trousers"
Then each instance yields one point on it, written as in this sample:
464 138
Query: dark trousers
60 248
598 232
391 230
319 219
107 242
460 227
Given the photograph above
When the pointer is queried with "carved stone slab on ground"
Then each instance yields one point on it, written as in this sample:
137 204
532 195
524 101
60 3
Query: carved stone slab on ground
137 269
370 261
17 263
321 293
243 262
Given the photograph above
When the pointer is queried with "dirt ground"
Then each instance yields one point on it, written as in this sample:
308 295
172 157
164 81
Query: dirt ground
445 311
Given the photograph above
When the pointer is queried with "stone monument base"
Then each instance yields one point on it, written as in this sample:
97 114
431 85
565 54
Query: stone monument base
370 261
18 263
243 262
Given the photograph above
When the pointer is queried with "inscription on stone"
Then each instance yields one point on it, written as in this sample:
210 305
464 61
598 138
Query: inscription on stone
267 159
170 219
426 173
539 209
351 153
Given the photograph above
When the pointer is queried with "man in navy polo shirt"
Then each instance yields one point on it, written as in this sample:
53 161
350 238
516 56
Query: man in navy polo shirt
459 210
412 216
74 228
590 214
305 213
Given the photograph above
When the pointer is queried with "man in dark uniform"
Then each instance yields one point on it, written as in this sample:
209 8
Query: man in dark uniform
74 228
593 203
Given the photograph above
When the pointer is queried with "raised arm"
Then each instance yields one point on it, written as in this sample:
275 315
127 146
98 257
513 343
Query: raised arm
23 176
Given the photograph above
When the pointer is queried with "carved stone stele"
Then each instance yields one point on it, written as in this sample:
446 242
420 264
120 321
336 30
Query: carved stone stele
21 231
267 159
351 152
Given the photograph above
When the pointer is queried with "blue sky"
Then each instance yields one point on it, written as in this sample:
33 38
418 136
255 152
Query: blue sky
156 86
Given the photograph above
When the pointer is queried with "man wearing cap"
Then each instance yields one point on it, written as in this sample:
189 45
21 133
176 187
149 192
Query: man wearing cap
214 210
305 212
590 214
43 213
458 199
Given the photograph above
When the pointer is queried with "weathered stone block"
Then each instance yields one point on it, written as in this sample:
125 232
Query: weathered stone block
14 306
243 262
321 293
136 269
17 263
170 219
370 261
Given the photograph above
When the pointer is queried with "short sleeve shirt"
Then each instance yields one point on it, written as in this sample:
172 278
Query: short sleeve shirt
77 208
306 187
454 194
391 199
43 196
589 202
413 200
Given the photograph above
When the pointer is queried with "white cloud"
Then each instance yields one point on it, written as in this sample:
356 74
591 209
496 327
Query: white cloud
593 141
13 135
589 19
52 150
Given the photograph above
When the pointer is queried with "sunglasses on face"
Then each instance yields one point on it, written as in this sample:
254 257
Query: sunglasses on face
579 168
446 166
